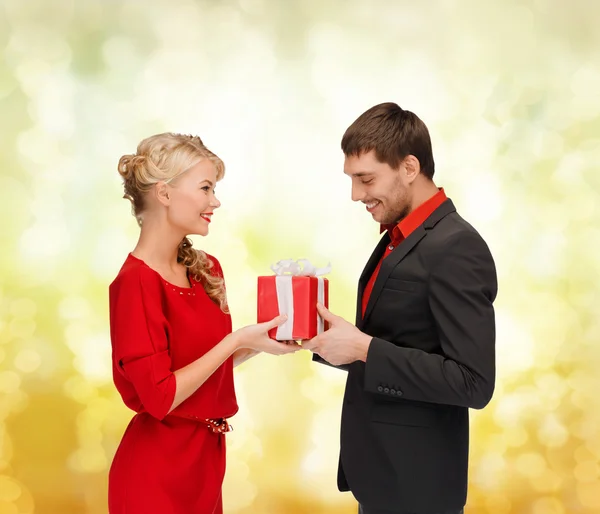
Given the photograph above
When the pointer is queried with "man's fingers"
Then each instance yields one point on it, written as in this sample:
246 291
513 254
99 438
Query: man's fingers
325 313
311 344
308 344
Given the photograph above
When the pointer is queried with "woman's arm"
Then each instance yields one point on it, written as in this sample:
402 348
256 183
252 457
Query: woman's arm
242 355
189 378
242 344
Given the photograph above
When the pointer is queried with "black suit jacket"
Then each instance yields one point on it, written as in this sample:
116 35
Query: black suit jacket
405 422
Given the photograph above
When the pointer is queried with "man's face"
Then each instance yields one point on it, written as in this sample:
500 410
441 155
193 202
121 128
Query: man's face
383 189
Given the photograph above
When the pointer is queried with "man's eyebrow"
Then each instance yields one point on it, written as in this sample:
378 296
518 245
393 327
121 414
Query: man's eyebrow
361 174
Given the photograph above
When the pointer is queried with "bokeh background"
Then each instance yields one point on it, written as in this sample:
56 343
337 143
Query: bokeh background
511 93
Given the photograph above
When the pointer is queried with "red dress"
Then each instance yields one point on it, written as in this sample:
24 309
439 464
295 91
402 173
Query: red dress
167 463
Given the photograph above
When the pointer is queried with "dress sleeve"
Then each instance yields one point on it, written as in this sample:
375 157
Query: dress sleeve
139 340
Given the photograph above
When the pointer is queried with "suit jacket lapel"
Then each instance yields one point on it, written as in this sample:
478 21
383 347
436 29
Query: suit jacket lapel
392 260
389 263
367 272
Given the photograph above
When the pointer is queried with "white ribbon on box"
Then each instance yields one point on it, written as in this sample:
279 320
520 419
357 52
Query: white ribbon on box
284 271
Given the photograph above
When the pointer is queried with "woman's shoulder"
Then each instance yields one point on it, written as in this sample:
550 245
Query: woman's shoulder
215 265
133 273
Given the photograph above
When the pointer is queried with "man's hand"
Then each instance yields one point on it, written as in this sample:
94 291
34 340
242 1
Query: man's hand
342 343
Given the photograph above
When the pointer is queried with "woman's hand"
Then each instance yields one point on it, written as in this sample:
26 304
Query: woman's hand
256 337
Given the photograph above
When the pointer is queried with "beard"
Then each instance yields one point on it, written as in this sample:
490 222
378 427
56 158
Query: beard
397 206
393 216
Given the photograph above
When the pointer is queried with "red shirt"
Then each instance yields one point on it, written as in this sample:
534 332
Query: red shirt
156 328
400 232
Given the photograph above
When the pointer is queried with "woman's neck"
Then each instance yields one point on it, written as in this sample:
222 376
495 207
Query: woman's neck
158 245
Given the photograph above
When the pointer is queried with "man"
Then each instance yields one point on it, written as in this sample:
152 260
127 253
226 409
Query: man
423 349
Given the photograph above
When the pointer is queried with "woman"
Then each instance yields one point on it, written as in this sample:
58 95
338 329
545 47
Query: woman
173 349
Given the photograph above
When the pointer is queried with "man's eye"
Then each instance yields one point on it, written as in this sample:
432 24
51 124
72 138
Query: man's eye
367 181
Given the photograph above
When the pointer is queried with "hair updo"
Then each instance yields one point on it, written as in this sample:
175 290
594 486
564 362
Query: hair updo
163 157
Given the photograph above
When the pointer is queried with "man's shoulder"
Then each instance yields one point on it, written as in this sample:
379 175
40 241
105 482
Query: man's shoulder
453 234
451 227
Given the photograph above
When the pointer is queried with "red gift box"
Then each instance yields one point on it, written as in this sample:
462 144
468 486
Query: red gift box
296 296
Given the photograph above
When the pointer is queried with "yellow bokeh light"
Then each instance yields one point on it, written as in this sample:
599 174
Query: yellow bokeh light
271 90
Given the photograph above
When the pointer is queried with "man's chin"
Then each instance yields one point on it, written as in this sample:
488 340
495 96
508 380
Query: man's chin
383 220
384 217
377 215
390 219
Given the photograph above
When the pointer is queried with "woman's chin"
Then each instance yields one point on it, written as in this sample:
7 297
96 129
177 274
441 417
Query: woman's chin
200 231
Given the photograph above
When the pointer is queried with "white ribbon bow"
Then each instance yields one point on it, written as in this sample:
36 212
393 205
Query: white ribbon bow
299 268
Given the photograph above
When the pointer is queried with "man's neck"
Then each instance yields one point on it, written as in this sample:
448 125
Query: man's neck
422 193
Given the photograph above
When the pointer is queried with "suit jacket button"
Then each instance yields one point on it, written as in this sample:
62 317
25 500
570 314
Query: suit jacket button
380 389
386 390
399 393
393 391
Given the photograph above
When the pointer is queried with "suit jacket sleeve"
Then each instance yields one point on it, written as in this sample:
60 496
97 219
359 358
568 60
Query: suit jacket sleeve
318 358
462 287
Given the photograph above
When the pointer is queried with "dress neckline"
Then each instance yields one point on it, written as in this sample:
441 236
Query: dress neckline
170 284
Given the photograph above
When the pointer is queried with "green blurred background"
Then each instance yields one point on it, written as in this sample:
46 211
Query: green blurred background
511 93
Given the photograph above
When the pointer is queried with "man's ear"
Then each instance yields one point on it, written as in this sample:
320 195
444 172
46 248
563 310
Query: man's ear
412 167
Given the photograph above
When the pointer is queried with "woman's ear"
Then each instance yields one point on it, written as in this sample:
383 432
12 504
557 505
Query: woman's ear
161 191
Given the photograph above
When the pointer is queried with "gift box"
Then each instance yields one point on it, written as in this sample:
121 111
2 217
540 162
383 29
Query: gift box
294 290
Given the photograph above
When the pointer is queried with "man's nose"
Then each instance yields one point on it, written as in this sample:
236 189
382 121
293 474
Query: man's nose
357 193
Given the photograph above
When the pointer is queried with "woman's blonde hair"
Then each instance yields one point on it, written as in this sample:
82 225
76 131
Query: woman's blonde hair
164 157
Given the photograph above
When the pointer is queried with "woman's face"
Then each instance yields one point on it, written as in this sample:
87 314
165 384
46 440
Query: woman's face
192 199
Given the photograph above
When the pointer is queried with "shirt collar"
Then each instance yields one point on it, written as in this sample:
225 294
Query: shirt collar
415 218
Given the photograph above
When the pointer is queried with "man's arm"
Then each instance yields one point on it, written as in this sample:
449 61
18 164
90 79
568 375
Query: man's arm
462 288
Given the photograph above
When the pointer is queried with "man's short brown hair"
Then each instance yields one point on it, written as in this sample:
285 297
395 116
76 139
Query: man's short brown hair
393 134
